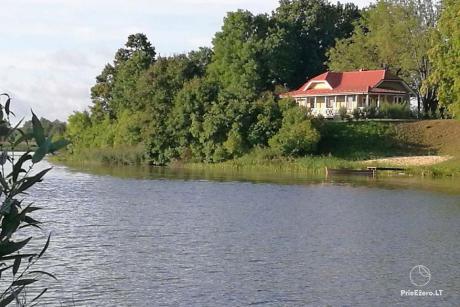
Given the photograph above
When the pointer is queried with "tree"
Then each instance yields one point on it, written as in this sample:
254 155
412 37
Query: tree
101 94
200 60
297 136
191 104
53 129
116 84
445 56
78 126
239 63
301 33
394 35
137 44
155 93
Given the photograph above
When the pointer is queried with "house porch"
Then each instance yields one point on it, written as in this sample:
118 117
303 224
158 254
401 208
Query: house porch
329 105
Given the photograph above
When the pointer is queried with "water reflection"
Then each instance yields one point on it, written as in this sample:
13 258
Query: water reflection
161 237
449 185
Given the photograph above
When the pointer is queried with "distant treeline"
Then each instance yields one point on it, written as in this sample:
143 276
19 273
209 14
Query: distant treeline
216 104
54 129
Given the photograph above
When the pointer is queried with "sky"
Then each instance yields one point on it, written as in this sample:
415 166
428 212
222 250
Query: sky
52 50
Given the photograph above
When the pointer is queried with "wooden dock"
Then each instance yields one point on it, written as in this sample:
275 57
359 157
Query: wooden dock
371 171
348 172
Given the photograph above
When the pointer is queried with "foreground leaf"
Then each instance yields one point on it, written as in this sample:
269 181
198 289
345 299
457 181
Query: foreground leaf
39 133
10 247
7 300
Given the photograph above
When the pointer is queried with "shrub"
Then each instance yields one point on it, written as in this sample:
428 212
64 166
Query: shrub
297 136
343 113
395 110
234 144
357 114
15 264
370 112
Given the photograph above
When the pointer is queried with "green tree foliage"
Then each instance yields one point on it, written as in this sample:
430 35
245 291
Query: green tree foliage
191 104
210 104
445 55
53 129
302 32
78 128
101 94
121 81
156 91
240 60
395 35
297 136
17 176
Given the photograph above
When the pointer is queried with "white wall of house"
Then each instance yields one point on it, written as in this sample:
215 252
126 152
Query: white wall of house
329 106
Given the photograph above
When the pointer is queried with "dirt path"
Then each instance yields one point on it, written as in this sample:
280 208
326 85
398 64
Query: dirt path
411 161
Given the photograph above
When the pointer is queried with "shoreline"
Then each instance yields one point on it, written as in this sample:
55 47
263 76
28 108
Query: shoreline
422 166
422 148
292 173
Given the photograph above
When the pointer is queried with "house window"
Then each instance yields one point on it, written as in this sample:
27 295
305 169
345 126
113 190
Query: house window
398 99
329 102
302 101
311 102
320 102
340 101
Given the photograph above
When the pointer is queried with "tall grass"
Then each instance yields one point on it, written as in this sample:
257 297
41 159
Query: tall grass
119 155
266 160
360 140
394 110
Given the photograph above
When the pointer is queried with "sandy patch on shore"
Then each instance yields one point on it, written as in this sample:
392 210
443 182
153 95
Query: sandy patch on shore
411 161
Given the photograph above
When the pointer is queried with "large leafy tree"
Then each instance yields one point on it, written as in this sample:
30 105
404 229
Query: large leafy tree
445 55
155 93
116 84
101 94
239 63
392 34
302 31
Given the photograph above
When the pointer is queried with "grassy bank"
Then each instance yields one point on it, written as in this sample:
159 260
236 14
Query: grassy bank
250 162
120 155
343 145
349 145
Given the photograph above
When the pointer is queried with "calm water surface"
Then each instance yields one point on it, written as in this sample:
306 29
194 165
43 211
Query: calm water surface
172 239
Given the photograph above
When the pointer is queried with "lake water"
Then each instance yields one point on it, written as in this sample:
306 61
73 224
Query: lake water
130 237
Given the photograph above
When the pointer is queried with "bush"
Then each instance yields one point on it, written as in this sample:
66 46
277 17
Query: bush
394 111
234 144
370 112
357 114
297 136
343 113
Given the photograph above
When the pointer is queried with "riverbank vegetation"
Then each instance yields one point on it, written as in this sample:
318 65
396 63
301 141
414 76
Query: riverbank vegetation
220 105
343 147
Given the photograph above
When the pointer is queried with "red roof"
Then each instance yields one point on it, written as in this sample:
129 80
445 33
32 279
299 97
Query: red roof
346 82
